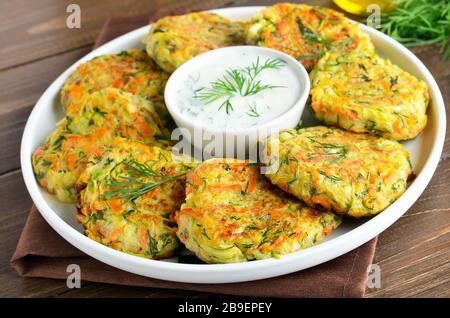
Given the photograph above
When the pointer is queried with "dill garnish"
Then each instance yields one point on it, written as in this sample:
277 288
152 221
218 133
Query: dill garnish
419 22
337 152
153 245
238 82
331 178
130 185
252 111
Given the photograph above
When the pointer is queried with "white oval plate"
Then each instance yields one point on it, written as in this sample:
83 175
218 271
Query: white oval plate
425 153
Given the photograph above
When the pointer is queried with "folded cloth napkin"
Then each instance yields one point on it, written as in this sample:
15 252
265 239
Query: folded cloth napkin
41 252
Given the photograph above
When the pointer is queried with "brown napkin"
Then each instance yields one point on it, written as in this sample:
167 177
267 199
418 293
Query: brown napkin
41 252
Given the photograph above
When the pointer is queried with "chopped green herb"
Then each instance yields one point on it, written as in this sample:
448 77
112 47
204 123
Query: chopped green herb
311 56
398 184
123 53
331 178
99 112
366 78
251 227
336 150
394 81
58 142
153 245
205 234
300 125
309 35
46 163
244 192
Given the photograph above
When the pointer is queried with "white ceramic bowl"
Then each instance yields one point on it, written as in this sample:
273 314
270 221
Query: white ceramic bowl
201 135
425 153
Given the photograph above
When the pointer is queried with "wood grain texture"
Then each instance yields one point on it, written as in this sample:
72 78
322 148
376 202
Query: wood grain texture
33 30
15 105
414 253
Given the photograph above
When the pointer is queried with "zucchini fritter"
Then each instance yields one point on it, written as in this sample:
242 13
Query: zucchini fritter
365 93
329 168
132 71
305 32
233 214
174 40
144 226
84 134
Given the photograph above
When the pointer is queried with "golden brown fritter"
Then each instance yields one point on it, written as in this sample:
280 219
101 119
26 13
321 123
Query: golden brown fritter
233 214
305 32
174 40
329 168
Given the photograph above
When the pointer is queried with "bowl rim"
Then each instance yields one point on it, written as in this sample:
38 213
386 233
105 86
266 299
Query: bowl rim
297 106
237 272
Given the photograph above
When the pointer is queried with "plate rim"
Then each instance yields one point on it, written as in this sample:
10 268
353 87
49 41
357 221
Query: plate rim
247 271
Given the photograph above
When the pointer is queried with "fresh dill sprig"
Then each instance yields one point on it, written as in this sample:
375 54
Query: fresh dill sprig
238 82
227 105
337 151
312 37
252 112
130 185
419 22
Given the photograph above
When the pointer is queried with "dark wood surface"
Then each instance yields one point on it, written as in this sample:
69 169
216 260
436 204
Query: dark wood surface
414 253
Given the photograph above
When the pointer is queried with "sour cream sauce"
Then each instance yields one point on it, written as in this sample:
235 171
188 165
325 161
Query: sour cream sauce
245 111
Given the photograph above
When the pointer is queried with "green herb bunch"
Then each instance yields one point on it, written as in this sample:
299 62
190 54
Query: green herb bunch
419 22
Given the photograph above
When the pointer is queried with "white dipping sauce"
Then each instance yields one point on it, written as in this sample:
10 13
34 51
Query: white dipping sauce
247 111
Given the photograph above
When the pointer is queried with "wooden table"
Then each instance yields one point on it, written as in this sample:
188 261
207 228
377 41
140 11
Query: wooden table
36 46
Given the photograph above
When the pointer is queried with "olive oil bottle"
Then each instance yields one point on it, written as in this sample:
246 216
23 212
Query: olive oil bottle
359 7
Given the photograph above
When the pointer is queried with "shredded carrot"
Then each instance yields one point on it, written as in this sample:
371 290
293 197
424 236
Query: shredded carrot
101 132
143 127
43 182
39 152
118 83
82 69
72 161
76 91
349 114
114 234
252 183
143 238
279 241
116 205
56 165
397 126
177 217
193 178
316 106
191 212
71 141
228 187
322 201
327 230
